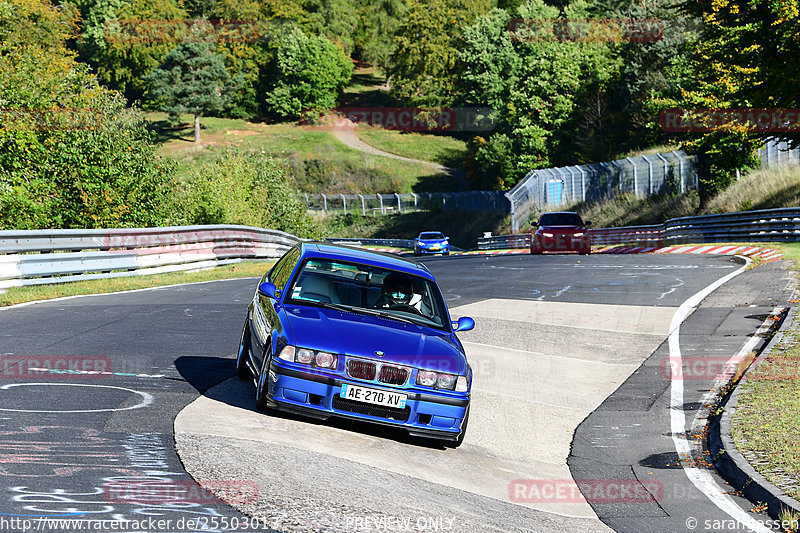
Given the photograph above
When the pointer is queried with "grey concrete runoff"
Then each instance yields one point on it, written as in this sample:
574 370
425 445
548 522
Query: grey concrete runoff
528 399
731 463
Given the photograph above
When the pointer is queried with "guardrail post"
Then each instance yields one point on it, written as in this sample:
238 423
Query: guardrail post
363 206
325 203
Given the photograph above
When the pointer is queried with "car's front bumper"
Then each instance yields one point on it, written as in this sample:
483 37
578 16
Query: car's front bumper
561 243
430 250
426 414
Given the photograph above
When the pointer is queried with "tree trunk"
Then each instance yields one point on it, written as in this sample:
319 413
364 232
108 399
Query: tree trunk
197 128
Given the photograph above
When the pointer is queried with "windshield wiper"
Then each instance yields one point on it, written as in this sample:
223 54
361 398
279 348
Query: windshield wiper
366 311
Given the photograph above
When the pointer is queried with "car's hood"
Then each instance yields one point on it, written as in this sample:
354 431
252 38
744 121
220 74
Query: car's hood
429 242
363 335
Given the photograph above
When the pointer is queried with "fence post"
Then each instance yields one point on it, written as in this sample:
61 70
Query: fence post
380 199
325 203
666 167
680 162
363 206
635 177
307 202
415 201
344 203
583 182
649 175
618 166
572 186
399 208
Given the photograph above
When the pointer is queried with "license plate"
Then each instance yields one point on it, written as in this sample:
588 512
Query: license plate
377 397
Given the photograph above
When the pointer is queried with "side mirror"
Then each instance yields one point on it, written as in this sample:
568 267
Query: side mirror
534 224
269 290
587 223
447 238
464 323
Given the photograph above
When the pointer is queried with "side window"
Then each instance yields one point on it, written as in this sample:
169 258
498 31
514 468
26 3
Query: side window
280 274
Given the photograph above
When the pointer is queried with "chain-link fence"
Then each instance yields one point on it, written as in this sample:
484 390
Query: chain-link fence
385 204
643 175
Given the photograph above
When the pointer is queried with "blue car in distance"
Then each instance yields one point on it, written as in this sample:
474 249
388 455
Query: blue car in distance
339 331
431 242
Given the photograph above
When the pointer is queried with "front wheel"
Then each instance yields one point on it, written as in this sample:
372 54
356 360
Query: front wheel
242 370
262 387
536 251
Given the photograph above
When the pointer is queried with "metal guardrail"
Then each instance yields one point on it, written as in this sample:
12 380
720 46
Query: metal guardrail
768 225
390 243
34 257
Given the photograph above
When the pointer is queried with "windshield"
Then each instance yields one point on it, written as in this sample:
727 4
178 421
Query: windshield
560 219
369 289
431 236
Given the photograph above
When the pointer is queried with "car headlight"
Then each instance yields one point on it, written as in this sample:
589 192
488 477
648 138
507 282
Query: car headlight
308 357
446 381
304 356
426 379
545 234
440 380
578 234
325 360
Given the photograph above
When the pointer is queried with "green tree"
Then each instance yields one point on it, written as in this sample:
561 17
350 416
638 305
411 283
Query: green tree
307 73
535 84
71 154
126 39
192 79
422 66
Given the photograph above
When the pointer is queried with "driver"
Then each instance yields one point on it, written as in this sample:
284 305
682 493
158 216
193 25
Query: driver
397 290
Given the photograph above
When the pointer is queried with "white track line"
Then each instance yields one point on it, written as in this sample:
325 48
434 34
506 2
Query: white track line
701 479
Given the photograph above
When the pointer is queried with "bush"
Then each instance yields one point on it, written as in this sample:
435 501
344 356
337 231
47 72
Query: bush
244 188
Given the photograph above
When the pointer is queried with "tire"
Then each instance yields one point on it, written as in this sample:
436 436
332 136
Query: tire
460 440
445 253
536 251
262 386
243 355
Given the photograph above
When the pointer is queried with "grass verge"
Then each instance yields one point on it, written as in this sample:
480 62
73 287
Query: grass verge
767 418
320 163
17 295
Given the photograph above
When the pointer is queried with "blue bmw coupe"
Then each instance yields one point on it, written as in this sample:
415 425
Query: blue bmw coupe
339 331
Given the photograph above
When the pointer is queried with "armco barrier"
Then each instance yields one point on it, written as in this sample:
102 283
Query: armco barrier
768 225
33 257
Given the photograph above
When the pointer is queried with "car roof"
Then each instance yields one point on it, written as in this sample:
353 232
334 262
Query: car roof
359 255
423 232
560 213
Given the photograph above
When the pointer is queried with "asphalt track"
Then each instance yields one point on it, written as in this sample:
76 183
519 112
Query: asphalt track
559 339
